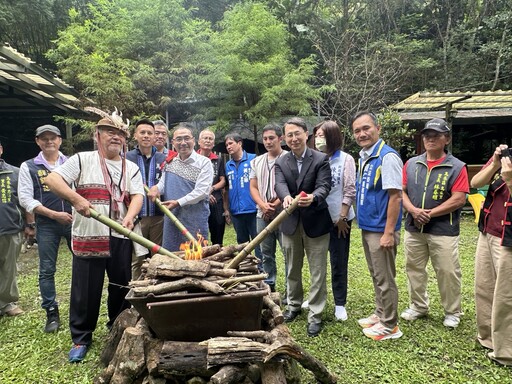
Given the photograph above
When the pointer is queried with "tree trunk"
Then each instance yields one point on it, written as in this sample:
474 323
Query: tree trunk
183 358
229 374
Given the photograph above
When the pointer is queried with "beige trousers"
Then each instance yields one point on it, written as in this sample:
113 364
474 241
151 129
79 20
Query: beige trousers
443 252
493 296
294 247
381 264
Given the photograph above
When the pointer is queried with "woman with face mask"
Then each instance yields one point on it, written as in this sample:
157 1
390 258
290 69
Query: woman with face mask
329 140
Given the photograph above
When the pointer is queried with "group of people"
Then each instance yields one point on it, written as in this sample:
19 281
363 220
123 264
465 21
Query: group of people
51 197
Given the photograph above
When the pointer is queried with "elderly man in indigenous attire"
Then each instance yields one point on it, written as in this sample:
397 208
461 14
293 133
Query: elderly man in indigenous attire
185 187
111 185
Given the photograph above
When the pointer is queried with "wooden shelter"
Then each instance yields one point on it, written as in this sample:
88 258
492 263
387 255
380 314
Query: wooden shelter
479 120
30 96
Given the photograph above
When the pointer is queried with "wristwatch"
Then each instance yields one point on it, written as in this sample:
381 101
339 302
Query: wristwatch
344 218
30 225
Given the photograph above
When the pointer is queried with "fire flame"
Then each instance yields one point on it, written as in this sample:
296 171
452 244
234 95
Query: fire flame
194 249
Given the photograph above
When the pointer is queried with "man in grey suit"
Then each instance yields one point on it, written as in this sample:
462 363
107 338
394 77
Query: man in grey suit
307 229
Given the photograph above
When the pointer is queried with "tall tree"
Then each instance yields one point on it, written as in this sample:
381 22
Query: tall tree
364 66
133 54
250 75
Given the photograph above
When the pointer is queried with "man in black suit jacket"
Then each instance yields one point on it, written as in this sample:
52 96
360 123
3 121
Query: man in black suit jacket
307 229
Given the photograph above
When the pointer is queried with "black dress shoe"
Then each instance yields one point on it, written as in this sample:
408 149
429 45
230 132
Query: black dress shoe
314 329
289 315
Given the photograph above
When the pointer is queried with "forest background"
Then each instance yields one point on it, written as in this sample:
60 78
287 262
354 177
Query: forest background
255 61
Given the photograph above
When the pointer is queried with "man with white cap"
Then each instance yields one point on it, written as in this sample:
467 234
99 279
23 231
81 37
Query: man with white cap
435 184
105 180
52 215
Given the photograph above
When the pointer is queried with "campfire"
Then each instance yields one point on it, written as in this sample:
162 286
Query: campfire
203 315
194 249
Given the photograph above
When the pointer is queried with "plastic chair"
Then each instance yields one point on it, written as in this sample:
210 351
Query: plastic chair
476 200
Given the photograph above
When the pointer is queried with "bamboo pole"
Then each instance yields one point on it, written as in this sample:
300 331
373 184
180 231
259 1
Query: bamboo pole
132 235
175 221
268 229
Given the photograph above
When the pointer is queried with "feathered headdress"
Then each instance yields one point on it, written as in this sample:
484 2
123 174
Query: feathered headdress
115 120
118 192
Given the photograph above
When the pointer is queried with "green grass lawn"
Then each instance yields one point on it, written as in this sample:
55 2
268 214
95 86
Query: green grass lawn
428 352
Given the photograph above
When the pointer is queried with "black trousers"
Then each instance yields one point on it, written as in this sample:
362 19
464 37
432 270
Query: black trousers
87 279
216 223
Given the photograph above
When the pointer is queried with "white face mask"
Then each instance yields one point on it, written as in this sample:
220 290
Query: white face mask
320 143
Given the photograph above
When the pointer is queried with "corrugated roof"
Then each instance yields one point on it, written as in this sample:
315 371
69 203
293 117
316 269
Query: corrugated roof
433 101
25 87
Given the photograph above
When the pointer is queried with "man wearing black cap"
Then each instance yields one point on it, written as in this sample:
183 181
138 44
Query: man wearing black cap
52 215
111 185
434 191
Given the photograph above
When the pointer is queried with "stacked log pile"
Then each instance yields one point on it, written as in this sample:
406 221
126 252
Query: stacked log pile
163 274
133 354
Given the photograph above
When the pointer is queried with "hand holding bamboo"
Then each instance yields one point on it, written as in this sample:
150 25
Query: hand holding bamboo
175 221
268 229
131 235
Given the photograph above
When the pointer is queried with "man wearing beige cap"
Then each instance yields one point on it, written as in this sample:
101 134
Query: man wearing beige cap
434 191
111 185
52 216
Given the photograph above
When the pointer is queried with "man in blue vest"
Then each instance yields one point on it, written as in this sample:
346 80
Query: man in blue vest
379 212
52 215
149 160
239 207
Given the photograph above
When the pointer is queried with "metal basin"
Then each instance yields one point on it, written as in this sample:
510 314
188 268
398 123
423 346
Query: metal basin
200 316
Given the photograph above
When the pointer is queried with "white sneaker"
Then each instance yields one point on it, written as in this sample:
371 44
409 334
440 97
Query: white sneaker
451 321
340 313
369 321
411 314
305 305
379 332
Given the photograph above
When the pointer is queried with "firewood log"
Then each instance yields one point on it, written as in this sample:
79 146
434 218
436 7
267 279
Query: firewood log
152 349
273 372
128 361
277 314
183 358
222 272
229 374
165 266
233 350
177 285
226 252
242 279
211 250
215 264
284 344
264 336
127 318
142 283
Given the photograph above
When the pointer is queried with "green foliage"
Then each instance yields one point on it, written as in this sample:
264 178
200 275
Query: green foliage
128 53
249 73
427 352
396 133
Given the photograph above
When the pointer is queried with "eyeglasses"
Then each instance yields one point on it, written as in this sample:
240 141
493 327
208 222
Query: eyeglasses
182 139
295 134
